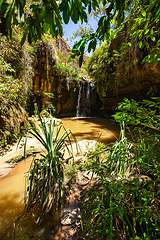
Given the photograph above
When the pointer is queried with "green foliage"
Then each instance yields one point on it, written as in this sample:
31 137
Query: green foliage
68 71
20 157
49 95
143 20
124 209
144 116
10 88
133 46
48 110
145 27
71 172
93 157
114 11
45 186
47 16
120 157
125 205
15 70
99 69
81 31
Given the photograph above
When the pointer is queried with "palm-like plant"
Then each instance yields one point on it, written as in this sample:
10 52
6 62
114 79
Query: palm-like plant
120 156
45 176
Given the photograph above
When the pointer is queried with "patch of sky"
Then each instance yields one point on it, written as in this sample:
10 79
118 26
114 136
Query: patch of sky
71 27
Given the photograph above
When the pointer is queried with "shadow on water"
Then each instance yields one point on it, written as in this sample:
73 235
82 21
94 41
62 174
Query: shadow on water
12 187
14 225
91 128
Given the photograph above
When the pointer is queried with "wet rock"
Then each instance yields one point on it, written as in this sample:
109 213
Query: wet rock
66 221
71 214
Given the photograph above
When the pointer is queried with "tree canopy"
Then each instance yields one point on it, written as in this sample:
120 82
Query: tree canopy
38 17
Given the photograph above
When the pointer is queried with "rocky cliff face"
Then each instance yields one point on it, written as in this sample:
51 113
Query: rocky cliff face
61 45
143 83
13 119
119 75
50 84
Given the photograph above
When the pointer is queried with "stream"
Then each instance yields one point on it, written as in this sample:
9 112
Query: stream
12 186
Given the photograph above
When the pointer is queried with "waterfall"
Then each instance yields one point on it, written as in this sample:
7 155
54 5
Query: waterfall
83 107
78 102
88 97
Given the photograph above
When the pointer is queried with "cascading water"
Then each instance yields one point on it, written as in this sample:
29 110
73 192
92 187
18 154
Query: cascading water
84 99
88 97
78 102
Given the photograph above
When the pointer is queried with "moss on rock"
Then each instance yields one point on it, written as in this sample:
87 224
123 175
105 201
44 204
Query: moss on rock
13 119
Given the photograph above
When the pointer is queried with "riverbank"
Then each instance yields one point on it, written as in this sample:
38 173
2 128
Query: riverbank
70 221
83 129
15 150
86 131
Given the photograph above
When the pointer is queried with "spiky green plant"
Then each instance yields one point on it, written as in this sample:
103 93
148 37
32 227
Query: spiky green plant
123 209
128 208
45 176
114 160
120 156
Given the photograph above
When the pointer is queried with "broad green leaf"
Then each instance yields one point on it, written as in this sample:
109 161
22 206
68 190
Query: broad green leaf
151 31
102 19
1 1
140 44
143 12
78 4
80 60
84 16
146 25
92 45
74 14
153 38
89 7
46 26
71 58
66 14
43 12
146 31
140 36
77 44
82 47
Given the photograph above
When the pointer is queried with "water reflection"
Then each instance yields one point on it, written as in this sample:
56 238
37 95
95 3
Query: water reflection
27 228
12 186
91 128
10 208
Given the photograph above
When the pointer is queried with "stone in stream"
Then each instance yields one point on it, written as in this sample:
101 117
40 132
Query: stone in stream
71 215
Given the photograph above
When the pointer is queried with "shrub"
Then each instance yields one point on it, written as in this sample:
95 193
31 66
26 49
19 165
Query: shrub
46 173
127 206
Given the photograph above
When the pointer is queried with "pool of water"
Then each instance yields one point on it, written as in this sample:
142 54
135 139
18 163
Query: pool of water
91 128
12 186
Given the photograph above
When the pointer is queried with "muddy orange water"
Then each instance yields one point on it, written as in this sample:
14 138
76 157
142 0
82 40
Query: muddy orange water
13 185
91 128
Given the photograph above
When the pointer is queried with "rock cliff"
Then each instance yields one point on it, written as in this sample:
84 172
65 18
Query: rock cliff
120 73
54 84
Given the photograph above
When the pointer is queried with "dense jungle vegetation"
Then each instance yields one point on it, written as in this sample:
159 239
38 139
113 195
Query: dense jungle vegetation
124 204
18 69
